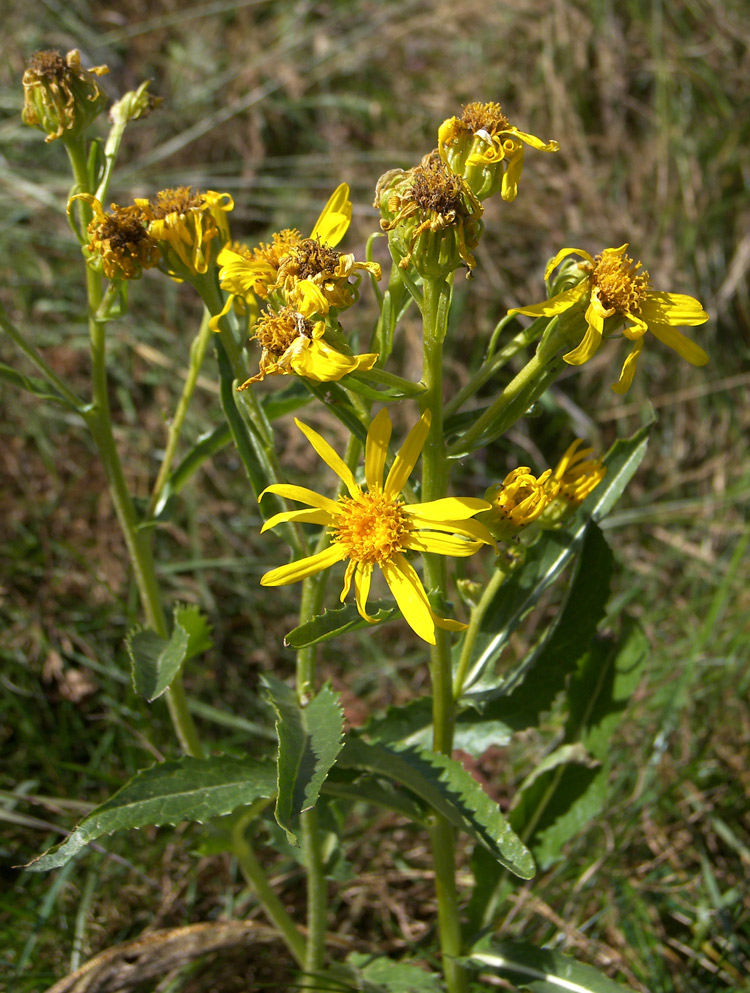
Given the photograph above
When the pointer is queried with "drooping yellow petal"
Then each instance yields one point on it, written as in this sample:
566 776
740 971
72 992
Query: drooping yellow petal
320 362
440 544
407 589
302 495
564 253
302 568
362 579
335 218
300 516
447 508
675 309
407 457
351 567
330 457
307 298
376 449
586 350
557 304
448 623
597 313
512 174
628 369
685 347
214 322
532 140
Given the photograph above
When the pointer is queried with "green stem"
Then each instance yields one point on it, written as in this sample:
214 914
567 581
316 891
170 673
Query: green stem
254 874
137 540
197 354
435 311
317 894
470 636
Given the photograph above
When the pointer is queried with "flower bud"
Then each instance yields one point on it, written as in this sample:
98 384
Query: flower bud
518 501
60 97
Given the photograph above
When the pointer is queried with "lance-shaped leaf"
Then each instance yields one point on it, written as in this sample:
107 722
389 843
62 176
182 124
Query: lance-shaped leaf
540 969
157 661
187 790
550 555
309 738
340 620
448 788
39 388
393 387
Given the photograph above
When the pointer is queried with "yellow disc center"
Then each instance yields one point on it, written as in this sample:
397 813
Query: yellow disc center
371 527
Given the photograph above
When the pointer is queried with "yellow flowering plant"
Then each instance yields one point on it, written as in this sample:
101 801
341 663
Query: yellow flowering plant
446 561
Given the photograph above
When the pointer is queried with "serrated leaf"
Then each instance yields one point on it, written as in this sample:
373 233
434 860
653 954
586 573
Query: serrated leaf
196 626
394 977
540 969
310 738
186 790
372 792
155 661
448 788
530 688
333 623
550 555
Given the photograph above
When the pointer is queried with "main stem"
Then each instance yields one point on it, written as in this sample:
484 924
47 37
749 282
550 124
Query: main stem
434 487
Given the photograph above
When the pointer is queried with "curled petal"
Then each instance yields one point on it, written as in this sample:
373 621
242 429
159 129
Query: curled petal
533 141
512 174
628 369
318 361
300 516
564 253
557 304
362 578
586 350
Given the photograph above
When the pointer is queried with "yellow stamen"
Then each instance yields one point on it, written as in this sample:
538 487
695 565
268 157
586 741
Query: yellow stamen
621 287
371 527
276 331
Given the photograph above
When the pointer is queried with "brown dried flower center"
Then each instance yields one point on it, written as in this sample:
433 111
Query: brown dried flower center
277 330
484 117
48 63
177 201
311 258
435 188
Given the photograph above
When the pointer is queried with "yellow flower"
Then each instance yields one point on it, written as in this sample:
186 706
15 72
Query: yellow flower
432 217
120 243
374 526
190 226
577 474
306 273
60 97
482 146
518 501
293 344
612 287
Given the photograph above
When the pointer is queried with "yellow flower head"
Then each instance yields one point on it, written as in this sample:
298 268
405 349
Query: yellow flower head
518 501
614 289
293 344
433 218
578 474
191 228
120 244
305 273
482 146
374 527
60 97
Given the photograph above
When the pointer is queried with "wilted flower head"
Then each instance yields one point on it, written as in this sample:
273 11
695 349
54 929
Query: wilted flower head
291 343
191 228
614 289
432 217
575 477
482 146
120 244
60 97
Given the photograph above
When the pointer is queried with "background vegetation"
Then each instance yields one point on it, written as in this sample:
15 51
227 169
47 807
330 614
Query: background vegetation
277 102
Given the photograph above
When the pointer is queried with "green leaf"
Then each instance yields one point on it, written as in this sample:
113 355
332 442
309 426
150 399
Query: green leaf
530 688
186 790
393 977
155 661
340 784
34 385
540 969
340 620
208 444
191 620
448 788
310 738
335 398
395 388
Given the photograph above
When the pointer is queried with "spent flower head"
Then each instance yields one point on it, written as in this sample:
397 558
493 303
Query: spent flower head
61 98
614 290
373 526
432 218
119 243
291 343
486 149
191 228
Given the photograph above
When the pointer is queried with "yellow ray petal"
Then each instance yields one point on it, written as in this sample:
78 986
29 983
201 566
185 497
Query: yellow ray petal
330 457
301 516
533 141
335 217
628 369
557 304
512 174
407 589
320 362
351 566
307 298
302 568
441 544
588 348
684 347
448 508
675 309
562 254
302 495
376 449
407 457
362 579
